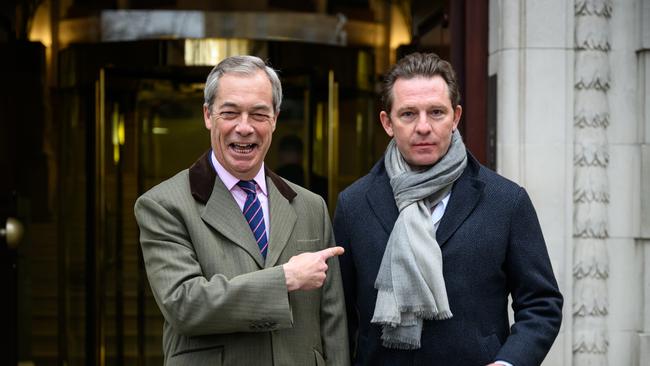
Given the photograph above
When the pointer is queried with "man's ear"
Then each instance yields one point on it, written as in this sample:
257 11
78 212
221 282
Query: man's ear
386 123
458 111
207 118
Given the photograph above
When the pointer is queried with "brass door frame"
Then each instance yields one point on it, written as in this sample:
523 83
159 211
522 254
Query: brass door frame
97 254
107 222
332 141
95 350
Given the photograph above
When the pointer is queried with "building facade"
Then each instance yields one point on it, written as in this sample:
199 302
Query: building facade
573 126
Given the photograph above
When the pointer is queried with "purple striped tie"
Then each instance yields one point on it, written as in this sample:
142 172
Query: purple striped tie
254 215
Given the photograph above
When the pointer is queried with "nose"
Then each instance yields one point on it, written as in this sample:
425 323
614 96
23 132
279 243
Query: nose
244 126
422 125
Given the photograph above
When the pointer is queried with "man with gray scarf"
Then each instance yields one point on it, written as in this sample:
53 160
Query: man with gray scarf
435 242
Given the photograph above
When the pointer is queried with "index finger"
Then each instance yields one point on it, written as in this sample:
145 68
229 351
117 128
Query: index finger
331 252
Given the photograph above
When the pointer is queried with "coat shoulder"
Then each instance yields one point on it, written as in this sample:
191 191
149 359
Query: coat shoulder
496 181
361 186
358 188
498 189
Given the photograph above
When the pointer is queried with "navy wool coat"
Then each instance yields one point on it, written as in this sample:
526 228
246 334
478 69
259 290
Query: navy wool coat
492 247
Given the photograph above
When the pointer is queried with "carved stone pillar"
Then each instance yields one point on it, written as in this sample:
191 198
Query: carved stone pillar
591 185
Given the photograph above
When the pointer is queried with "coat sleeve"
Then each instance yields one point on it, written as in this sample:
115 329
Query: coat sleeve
333 317
536 299
194 304
348 272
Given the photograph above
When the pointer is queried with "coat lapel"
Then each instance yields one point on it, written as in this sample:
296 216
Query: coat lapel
283 218
221 211
464 196
223 214
380 197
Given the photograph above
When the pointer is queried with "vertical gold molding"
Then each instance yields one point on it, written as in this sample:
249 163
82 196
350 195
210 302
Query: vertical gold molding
306 138
332 141
100 219
318 163
361 147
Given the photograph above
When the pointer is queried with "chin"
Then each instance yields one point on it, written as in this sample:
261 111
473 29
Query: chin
245 169
424 161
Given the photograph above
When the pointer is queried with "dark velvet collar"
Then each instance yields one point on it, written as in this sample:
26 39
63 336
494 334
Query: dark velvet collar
203 175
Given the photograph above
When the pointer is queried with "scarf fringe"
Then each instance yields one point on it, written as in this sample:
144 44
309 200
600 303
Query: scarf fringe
387 322
395 322
397 344
444 315
425 312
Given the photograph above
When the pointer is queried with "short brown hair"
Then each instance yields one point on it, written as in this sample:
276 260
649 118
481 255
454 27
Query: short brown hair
420 64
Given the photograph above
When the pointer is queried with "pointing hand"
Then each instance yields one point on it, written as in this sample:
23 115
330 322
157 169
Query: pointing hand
307 271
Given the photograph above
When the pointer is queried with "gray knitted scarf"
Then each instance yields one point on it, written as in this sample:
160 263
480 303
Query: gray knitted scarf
410 283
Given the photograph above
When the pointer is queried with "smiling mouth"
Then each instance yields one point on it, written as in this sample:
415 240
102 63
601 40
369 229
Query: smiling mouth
243 148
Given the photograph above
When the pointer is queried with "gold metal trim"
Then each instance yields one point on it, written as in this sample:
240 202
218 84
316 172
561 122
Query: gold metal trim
332 141
306 138
100 216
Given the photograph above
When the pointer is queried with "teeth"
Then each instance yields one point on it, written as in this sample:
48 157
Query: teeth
243 148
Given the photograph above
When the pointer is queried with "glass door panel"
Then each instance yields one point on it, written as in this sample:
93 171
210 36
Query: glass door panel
148 129
171 136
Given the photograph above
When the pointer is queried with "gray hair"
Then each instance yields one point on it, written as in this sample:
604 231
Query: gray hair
424 65
246 65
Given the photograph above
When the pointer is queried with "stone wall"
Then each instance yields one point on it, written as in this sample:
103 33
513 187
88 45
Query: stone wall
590 184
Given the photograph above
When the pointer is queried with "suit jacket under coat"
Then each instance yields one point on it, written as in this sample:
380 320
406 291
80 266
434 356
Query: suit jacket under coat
492 246
222 303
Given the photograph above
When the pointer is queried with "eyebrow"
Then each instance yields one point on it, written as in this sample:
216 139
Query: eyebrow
228 105
261 107
411 107
404 108
255 108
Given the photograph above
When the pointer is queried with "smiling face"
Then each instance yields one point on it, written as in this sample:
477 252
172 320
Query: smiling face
421 120
241 121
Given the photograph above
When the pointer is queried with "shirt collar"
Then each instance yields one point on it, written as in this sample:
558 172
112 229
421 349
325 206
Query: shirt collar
439 210
231 181
445 200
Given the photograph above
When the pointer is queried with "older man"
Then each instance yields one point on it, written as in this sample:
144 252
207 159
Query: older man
232 250
435 242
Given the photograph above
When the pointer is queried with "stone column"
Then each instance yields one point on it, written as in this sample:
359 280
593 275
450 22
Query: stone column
591 185
643 53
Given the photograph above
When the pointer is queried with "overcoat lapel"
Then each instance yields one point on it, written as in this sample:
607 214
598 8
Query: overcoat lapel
223 214
283 218
465 194
380 198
